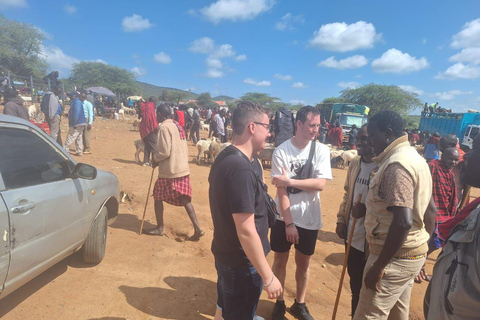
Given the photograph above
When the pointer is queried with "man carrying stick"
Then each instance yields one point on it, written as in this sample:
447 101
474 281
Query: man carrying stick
356 186
399 195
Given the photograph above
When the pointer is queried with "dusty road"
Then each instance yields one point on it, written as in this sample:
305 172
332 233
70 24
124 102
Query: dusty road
145 277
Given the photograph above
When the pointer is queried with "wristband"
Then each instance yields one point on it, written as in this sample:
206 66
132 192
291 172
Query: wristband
290 224
268 285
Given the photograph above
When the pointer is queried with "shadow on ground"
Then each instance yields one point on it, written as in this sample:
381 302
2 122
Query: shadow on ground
327 236
335 259
130 222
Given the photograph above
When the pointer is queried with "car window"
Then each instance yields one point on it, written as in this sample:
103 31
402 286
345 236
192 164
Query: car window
474 132
26 160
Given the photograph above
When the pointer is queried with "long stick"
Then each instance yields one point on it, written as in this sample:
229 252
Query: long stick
146 202
340 284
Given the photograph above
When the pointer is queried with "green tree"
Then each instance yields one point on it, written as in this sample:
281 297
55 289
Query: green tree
205 100
87 74
382 97
333 100
261 98
176 96
21 49
411 122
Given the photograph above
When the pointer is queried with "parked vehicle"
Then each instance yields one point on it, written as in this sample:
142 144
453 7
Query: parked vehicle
347 114
464 125
50 205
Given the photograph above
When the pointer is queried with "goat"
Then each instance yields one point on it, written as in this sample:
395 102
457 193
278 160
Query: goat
348 156
136 124
213 150
121 112
32 112
202 148
265 155
206 127
140 146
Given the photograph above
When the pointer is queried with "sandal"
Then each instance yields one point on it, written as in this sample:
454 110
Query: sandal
153 232
196 236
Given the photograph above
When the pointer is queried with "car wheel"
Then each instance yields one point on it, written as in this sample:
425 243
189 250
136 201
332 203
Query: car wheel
93 249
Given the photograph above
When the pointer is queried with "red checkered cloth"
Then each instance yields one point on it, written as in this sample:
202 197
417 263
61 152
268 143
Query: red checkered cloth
444 191
171 189
182 133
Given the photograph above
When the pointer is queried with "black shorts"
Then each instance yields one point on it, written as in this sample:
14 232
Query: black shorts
306 243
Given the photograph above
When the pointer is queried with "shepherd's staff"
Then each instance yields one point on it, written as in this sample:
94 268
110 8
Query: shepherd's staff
349 243
146 202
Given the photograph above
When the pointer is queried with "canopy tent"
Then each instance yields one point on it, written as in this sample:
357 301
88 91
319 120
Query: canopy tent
135 98
102 91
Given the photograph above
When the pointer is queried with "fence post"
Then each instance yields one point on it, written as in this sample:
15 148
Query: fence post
8 77
31 84
48 85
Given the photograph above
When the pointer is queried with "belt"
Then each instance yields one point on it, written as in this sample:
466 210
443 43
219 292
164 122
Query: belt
417 257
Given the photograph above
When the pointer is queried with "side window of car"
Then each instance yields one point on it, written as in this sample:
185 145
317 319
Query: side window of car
27 160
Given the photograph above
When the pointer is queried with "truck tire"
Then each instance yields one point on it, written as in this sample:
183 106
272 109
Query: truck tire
93 250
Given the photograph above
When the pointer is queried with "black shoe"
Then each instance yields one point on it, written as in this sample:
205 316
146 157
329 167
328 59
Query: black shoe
300 311
279 310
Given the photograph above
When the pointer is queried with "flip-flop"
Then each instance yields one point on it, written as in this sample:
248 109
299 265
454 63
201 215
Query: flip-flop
196 237
153 232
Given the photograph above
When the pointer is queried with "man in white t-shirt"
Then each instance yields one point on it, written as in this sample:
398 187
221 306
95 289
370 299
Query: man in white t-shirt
300 207
356 184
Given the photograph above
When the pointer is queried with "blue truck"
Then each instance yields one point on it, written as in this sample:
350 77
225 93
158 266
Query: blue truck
464 125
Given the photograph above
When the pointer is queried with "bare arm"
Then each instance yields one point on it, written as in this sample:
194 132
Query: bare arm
309 184
430 215
251 244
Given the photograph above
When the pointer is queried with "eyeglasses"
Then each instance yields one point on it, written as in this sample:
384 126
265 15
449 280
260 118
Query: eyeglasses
265 125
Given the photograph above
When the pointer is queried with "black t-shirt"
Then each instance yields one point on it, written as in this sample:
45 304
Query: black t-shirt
235 189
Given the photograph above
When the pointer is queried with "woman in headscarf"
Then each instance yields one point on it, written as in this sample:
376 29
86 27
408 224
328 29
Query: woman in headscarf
14 104
148 128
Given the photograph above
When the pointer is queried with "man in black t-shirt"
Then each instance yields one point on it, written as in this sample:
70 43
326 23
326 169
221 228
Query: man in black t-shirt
240 218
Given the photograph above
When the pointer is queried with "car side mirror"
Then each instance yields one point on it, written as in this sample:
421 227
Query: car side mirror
85 171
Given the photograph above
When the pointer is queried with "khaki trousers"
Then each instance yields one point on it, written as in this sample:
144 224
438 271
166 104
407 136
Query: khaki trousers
75 134
87 137
393 300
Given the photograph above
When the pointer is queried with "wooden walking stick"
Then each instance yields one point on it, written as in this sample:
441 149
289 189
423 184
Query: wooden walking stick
340 285
146 201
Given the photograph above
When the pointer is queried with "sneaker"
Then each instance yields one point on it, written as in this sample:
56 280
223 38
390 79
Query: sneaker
300 311
258 318
146 164
279 310
79 154
87 152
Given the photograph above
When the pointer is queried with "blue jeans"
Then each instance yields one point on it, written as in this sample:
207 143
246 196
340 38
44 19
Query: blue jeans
238 291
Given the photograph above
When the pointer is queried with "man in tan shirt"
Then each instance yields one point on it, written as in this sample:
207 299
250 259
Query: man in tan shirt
173 183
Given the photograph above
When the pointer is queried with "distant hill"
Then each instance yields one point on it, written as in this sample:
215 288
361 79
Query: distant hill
148 90
223 98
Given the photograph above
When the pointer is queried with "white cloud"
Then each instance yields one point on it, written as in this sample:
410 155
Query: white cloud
214 63
296 101
58 60
203 45
257 83
48 36
469 36
135 23
288 22
224 51
286 77
214 73
395 61
343 37
352 62
235 10
299 85
162 57
351 85
70 8
241 57
411 89
450 95
138 71
459 71
469 55
7 4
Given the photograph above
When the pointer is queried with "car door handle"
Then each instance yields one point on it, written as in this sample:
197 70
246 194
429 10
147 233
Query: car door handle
24 208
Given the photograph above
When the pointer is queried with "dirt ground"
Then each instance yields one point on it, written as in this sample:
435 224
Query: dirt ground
145 277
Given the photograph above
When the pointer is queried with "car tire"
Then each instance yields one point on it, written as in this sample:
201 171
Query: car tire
93 250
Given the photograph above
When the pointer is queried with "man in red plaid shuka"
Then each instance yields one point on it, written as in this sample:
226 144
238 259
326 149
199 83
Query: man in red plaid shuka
173 184
444 192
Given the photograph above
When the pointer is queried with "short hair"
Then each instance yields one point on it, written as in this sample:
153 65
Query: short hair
302 114
10 92
451 150
83 96
152 99
388 119
449 141
245 112
164 110
436 134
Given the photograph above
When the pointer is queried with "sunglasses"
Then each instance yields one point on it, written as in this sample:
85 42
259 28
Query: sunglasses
265 125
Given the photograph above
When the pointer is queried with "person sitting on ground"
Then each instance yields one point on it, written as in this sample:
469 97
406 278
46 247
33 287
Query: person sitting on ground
173 183
14 104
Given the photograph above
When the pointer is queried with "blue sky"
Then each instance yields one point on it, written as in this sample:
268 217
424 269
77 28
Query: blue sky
299 51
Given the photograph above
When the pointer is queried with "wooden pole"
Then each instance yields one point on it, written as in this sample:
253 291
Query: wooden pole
349 244
146 201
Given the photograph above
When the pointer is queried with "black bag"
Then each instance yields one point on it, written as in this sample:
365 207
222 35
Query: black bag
306 172
284 126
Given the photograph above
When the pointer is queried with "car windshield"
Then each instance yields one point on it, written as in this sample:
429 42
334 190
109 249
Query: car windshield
350 120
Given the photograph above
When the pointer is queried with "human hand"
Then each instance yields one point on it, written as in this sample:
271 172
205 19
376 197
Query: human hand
292 234
359 210
274 290
373 277
154 164
341 231
282 181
